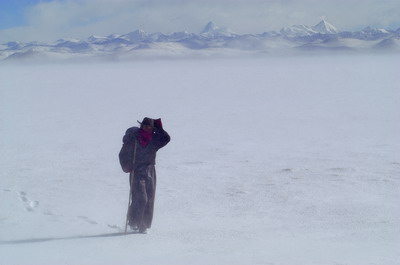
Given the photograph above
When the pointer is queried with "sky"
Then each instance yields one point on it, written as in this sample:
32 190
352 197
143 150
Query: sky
49 20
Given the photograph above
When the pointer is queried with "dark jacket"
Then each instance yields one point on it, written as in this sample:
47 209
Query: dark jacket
145 156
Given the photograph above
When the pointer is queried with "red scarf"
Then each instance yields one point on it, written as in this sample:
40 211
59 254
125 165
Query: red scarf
144 137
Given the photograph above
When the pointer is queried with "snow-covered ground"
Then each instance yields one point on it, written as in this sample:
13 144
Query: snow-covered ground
276 160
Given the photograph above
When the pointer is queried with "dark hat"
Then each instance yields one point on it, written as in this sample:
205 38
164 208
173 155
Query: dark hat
147 121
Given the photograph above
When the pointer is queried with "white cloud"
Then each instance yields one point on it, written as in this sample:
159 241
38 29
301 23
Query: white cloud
80 18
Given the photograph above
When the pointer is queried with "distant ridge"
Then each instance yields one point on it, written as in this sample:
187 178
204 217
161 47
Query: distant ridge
212 40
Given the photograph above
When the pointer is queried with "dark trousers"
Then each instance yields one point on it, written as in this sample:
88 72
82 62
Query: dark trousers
143 194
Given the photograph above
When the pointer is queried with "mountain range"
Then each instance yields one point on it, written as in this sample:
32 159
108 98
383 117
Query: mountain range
213 40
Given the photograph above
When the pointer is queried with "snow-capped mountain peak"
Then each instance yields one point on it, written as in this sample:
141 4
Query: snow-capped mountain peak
297 31
325 28
211 30
371 30
136 35
210 27
97 39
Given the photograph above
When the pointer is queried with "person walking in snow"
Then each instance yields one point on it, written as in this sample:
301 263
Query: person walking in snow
138 156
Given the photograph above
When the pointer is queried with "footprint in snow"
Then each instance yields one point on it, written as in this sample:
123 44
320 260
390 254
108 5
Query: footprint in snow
86 219
30 205
33 204
116 227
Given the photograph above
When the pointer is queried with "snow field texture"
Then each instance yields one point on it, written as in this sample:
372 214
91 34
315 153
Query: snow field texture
277 160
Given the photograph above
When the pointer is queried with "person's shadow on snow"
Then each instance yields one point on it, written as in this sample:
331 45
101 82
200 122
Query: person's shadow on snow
45 239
